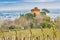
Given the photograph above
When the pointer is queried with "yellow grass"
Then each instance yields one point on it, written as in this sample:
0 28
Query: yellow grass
35 32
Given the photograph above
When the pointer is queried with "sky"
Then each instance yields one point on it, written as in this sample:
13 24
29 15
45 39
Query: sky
8 5
16 5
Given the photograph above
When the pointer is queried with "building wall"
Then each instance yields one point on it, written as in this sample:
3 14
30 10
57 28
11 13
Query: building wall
37 13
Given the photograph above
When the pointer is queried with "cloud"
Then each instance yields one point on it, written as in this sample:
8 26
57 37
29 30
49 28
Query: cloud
12 8
21 6
7 2
39 0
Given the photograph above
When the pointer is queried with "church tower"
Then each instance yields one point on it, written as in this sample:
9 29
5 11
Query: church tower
36 11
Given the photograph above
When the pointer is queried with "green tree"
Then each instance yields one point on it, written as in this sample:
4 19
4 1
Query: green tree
45 10
12 27
31 25
45 24
47 18
29 16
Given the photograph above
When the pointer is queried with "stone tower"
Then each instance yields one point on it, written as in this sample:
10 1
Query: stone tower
36 11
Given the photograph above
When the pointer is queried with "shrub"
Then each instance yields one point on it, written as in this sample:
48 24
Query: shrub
12 27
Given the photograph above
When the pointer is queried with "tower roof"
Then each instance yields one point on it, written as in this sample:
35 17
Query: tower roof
35 9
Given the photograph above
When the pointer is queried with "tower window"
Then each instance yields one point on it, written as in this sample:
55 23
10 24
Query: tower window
34 14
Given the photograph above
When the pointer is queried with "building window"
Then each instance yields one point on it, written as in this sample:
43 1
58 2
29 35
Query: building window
34 14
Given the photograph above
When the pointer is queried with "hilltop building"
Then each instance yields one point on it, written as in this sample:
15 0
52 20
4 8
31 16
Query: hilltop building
36 11
38 14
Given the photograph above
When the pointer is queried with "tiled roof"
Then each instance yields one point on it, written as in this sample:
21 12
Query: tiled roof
35 9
